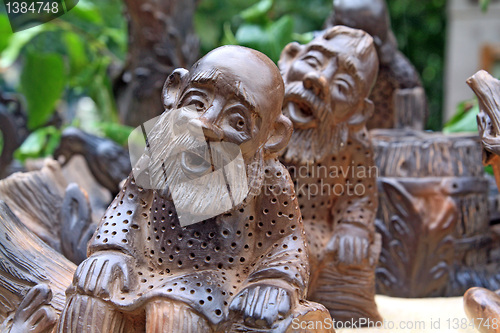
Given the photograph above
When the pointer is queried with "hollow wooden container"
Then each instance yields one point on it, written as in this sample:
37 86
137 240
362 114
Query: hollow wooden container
433 214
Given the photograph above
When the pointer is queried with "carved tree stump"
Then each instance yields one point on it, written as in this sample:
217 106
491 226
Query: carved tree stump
433 213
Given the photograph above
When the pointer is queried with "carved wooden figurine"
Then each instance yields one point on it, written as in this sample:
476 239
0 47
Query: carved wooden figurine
330 158
480 302
243 270
398 94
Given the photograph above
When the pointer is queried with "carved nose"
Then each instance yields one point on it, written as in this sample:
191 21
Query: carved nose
316 83
210 130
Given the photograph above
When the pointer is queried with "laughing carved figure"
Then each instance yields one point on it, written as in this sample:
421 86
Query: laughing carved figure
330 159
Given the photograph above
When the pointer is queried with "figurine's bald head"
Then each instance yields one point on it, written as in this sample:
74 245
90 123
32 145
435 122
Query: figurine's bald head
246 73
238 93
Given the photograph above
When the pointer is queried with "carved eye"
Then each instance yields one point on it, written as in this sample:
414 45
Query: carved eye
312 61
195 101
240 124
237 119
343 86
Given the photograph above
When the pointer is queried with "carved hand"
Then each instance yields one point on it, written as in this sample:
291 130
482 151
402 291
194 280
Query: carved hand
99 274
34 315
350 244
262 304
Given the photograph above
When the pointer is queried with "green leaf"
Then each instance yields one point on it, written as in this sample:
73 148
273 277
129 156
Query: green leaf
304 38
76 51
464 121
42 82
116 132
228 38
5 32
16 43
258 12
40 143
270 39
484 5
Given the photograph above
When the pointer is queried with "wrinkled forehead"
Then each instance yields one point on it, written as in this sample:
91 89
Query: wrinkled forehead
245 75
338 44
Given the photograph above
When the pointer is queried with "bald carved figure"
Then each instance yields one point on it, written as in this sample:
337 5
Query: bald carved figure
245 270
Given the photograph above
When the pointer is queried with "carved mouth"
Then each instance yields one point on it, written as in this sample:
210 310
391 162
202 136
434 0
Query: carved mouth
301 114
194 165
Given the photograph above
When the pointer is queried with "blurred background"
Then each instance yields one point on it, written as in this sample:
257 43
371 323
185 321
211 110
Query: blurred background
100 67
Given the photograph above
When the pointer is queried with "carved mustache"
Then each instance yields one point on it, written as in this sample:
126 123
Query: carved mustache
296 93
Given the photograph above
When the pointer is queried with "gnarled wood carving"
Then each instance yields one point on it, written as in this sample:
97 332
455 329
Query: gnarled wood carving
398 94
480 302
330 158
107 160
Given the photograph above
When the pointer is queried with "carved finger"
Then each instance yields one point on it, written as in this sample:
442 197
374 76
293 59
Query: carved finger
39 295
366 247
89 280
342 250
252 299
260 305
284 304
104 279
44 319
126 282
94 285
271 306
79 274
85 278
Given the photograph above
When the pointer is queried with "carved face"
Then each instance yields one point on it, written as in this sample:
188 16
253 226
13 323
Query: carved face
238 93
223 120
326 85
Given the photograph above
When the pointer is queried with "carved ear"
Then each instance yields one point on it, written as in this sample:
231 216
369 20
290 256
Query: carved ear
362 115
288 54
172 86
281 134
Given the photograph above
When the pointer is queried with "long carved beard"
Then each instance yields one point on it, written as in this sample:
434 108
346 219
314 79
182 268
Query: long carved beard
225 179
313 145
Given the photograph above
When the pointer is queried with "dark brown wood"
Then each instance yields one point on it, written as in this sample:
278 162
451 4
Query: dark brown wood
243 270
108 161
161 38
396 73
480 302
485 304
12 129
330 158
433 214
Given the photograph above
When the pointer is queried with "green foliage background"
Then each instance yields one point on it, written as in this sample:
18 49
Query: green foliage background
419 26
56 64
